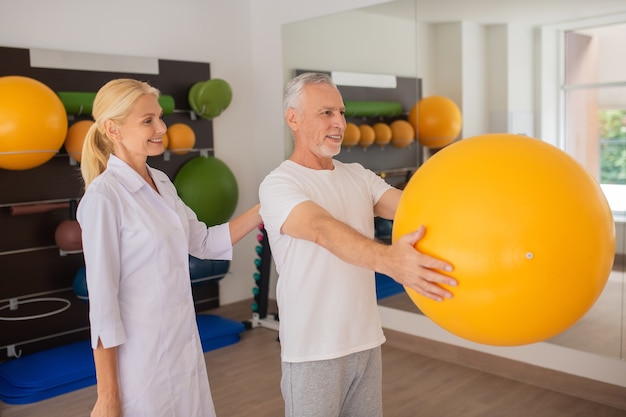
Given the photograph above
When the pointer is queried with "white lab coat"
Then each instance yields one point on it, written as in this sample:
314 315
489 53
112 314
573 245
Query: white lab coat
136 244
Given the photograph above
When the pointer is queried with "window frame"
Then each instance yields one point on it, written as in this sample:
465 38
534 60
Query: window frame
551 85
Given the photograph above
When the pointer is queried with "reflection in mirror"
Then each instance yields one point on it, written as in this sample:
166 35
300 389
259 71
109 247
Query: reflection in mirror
413 39
595 134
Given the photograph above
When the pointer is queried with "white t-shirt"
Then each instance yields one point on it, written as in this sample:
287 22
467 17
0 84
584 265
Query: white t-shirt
327 307
136 245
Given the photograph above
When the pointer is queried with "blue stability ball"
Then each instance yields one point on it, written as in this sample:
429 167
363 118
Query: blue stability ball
202 271
80 285
209 188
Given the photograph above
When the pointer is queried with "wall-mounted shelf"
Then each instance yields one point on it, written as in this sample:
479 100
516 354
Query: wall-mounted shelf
27 242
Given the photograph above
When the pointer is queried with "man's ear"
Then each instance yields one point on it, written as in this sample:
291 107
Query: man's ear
112 129
291 117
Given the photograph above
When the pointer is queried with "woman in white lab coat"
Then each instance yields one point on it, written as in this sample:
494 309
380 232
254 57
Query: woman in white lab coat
137 236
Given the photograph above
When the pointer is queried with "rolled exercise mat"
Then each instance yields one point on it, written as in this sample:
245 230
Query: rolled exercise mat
372 108
22 209
76 102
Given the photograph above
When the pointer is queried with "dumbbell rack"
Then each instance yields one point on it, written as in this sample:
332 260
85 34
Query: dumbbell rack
260 316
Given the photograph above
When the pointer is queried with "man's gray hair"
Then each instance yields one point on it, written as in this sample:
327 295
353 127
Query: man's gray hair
293 90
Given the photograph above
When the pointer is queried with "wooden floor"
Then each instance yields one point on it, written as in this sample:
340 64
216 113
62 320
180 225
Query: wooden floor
245 382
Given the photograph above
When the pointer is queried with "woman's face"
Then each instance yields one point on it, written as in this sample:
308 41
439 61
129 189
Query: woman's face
141 133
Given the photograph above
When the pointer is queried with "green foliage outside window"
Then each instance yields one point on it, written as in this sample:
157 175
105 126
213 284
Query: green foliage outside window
613 146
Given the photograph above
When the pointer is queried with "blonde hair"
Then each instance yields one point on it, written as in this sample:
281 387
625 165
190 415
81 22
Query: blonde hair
114 101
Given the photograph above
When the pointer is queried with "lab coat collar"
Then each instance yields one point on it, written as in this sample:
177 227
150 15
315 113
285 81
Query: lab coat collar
129 178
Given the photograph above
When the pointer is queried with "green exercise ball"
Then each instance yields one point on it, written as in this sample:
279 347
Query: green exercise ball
209 188
192 96
211 98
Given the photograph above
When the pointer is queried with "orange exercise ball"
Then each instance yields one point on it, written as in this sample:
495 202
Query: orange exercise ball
402 133
33 123
437 121
367 135
351 135
382 133
528 230
165 140
181 138
76 137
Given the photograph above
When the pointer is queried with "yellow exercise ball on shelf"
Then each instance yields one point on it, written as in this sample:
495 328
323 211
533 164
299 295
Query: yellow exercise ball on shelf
351 135
382 134
437 121
402 133
76 137
181 138
528 230
33 123
367 135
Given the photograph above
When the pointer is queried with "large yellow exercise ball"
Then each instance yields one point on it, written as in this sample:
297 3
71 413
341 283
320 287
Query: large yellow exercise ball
528 230
437 121
33 123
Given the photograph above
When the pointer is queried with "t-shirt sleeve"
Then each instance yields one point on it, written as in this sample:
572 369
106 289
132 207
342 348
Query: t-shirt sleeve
278 195
377 185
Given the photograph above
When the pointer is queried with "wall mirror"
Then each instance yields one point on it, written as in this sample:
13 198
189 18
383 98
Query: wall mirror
399 38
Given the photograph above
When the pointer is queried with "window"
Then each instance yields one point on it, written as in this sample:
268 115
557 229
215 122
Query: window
595 106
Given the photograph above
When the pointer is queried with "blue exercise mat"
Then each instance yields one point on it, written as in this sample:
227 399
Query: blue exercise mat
216 332
12 395
50 368
48 373
38 376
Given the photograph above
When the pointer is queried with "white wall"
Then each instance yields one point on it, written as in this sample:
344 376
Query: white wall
354 41
474 73
448 59
520 79
510 71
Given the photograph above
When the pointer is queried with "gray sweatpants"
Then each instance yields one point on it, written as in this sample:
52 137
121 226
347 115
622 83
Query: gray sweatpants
350 386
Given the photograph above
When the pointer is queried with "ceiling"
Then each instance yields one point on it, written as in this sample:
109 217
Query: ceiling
536 12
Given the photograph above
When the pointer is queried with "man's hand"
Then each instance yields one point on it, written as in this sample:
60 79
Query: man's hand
418 271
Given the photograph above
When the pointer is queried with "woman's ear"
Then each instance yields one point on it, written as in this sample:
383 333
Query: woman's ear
111 129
